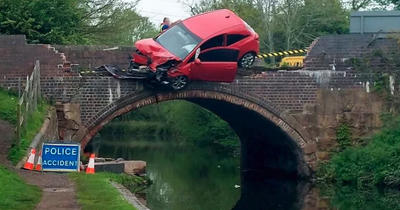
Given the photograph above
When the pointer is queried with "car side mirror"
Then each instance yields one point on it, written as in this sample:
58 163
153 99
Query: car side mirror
197 61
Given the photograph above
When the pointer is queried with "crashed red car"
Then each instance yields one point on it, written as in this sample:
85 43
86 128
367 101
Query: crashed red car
206 47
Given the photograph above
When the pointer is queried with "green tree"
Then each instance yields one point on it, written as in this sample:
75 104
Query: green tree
115 22
43 21
74 21
396 3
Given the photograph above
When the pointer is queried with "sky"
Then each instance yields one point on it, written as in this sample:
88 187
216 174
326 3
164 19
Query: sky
156 10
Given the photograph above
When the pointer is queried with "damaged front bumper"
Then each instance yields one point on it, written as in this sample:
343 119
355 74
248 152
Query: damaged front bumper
138 73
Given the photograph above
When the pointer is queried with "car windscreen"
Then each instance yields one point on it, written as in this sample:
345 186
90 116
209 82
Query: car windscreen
178 40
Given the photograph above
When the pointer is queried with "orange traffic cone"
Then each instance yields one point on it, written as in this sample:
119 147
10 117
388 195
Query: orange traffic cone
29 164
39 163
90 168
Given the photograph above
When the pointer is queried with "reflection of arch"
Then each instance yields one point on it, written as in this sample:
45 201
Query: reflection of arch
282 136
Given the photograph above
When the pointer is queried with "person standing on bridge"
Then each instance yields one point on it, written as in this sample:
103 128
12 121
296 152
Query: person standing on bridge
165 24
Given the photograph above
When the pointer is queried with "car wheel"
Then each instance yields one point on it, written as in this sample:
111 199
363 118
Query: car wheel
178 82
247 60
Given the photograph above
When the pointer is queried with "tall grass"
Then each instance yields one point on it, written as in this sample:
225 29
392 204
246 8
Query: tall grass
8 106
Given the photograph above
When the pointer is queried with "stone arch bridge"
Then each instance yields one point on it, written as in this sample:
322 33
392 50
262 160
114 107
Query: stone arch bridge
286 120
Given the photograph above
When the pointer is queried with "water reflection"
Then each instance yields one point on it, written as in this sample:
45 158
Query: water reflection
260 193
183 178
193 179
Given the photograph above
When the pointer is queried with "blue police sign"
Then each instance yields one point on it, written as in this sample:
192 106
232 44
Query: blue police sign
60 157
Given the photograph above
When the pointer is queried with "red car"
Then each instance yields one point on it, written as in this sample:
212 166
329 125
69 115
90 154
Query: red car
205 47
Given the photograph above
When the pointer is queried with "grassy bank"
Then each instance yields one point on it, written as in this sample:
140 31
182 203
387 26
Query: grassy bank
94 191
8 104
15 193
375 164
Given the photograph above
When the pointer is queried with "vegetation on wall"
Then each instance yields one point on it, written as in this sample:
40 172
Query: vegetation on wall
377 162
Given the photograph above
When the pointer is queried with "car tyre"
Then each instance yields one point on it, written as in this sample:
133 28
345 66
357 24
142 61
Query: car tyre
178 82
247 60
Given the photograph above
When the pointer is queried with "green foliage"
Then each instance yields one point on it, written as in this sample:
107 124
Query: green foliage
8 104
34 123
284 25
343 136
139 128
94 191
16 193
376 164
351 198
185 121
43 21
74 21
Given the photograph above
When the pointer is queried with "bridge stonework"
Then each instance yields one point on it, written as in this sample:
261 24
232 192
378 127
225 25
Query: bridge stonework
308 104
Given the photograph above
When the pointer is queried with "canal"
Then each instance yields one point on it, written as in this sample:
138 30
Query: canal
187 178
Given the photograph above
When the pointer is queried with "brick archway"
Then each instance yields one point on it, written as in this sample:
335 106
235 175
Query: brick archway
202 94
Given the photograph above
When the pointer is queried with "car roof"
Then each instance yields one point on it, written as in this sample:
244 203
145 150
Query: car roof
207 24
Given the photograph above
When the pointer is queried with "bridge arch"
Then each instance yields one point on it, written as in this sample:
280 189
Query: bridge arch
272 141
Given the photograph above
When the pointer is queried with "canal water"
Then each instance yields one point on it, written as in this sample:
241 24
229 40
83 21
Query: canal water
194 179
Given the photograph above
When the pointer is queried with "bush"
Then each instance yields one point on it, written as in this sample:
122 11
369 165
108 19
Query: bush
376 164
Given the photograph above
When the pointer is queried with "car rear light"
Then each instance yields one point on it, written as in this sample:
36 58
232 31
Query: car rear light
257 37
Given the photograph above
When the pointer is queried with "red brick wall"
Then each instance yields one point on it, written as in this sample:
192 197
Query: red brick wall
336 50
17 58
89 57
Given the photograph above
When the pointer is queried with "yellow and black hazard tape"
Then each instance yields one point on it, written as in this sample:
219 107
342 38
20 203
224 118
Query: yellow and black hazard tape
289 52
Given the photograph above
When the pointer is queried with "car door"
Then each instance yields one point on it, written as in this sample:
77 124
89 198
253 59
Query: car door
217 64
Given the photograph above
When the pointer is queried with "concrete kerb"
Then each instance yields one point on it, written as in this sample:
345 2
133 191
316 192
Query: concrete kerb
129 196
36 141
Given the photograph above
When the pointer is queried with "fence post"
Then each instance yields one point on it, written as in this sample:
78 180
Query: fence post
25 101
30 101
39 88
19 87
34 90
18 125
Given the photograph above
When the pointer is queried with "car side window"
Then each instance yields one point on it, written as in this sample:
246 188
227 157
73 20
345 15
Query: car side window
233 38
219 55
217 41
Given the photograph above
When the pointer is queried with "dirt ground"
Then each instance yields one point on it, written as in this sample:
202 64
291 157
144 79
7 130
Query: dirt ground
58 189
